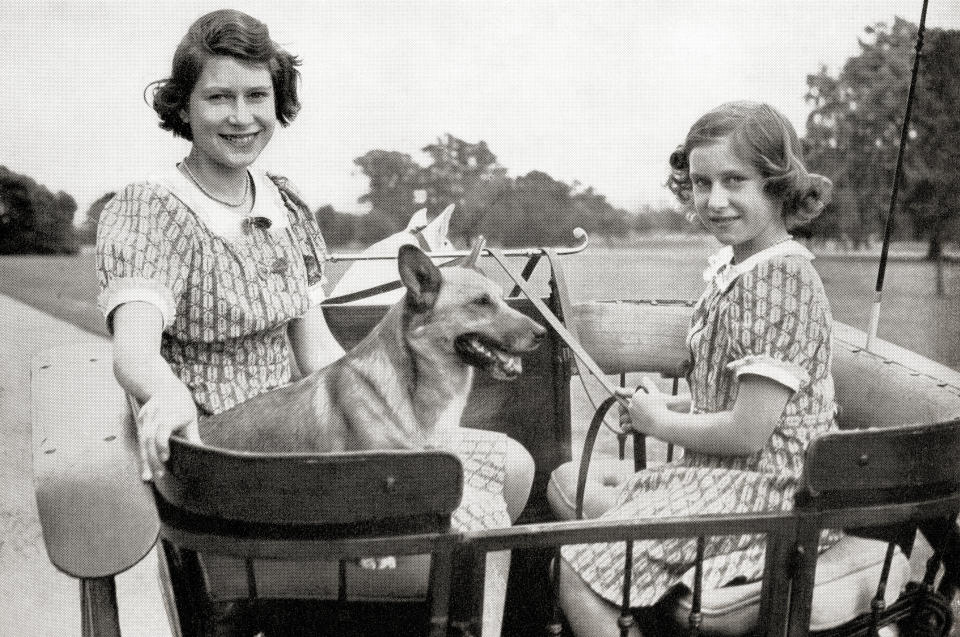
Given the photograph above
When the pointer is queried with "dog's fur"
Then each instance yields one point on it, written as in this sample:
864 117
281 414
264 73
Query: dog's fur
408 379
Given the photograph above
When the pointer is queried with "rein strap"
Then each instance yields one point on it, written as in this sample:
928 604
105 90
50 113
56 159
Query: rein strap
379 289
585 359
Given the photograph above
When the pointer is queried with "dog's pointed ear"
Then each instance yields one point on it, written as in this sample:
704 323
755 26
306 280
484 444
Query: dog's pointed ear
478 245
418 221
443 219
420 276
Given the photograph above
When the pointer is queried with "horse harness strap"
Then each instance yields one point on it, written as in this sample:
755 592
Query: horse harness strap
585 359
380 289
421 240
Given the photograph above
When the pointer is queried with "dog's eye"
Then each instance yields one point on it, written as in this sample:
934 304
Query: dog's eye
483 301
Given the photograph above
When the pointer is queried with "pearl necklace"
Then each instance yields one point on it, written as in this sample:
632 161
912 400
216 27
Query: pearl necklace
229 204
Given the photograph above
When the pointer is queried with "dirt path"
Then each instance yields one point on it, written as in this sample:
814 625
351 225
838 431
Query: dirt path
36 600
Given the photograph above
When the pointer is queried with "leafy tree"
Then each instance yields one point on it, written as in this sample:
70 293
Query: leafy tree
456 168
468 176
87 233
546 210
593 213
934 196
529 210
652 220
853 133
338 228
33 219
393 179
376 225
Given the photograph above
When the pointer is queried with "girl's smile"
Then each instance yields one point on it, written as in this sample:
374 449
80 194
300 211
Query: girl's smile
729 198
240 140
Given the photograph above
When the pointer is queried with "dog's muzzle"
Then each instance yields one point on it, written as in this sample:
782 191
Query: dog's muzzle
482 352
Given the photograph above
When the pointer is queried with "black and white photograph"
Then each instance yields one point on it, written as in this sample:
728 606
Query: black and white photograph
464 318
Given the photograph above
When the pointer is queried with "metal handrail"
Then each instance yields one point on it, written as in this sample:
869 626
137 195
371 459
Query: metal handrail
544 534
579 233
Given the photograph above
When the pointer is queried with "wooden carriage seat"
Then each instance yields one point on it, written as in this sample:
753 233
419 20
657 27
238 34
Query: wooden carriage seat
891 386
846 579
261 508
99 519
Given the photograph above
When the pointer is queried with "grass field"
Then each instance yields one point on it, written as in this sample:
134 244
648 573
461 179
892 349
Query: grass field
667 268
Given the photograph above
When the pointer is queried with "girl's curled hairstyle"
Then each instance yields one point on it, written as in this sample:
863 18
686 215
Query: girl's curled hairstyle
766 139
228 33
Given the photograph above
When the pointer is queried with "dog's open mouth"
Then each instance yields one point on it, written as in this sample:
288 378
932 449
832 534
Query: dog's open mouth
483 353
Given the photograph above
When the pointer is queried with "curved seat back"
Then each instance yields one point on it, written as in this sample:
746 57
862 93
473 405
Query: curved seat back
889 481
354 494
891 465
889 385
306 507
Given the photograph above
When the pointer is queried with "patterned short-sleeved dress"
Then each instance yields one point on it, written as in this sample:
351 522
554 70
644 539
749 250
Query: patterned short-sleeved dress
227 289
768 316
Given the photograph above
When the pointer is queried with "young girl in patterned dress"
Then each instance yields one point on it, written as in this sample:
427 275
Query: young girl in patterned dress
211 272
759 375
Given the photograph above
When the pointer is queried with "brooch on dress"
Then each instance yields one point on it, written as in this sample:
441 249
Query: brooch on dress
260 223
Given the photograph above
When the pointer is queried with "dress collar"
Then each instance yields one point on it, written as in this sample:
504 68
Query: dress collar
722 270
220 219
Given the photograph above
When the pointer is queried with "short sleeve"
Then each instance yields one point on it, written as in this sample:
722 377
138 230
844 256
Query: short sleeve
306 229
143 251
779 324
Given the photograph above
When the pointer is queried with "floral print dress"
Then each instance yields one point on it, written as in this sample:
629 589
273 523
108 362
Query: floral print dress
227 288
767 316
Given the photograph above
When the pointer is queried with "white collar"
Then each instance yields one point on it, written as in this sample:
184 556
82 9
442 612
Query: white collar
722 269
220 219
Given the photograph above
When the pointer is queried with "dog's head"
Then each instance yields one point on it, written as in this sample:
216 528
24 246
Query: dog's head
460 313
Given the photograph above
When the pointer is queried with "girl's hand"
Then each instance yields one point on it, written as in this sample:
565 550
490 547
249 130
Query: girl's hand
647 410
167 411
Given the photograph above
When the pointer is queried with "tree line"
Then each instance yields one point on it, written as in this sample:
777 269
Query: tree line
852 136
531 209
33 219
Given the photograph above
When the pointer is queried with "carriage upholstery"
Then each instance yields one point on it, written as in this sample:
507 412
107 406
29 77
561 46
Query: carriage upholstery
886 387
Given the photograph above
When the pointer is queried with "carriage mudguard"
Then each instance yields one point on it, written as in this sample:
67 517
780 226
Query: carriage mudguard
98 517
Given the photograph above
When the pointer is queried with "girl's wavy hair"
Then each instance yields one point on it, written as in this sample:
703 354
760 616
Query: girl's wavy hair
224 33
762 136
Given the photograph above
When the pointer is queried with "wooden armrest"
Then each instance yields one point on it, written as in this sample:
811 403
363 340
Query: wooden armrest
98 517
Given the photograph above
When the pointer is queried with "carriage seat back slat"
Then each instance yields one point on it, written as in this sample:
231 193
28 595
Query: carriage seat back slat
889 465
335 490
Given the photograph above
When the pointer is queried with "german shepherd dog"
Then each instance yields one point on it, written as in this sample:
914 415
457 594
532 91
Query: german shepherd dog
408 379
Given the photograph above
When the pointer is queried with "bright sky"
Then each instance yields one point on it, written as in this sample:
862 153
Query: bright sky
594 91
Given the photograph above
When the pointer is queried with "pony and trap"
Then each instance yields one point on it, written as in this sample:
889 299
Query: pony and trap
890 479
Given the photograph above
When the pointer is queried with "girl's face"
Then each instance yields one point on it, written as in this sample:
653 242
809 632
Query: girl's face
231 113
728 197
